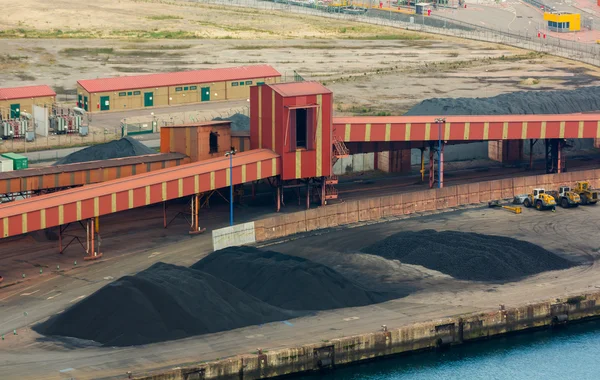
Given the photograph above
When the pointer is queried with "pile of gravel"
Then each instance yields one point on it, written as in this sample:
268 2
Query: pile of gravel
585 99
125 147
239 122
469 256
162 303
287 281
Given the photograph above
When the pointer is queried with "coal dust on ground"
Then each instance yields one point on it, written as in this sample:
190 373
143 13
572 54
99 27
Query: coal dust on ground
288 282
469 256
125 147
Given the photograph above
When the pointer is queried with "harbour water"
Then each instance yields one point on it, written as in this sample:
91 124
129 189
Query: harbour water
572 352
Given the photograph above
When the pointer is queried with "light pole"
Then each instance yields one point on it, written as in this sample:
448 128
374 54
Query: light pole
439 122
230 155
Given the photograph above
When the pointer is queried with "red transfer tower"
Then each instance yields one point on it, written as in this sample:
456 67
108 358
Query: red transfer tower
295 121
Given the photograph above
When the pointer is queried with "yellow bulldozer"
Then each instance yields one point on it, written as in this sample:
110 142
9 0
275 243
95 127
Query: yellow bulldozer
540 200
586 193
565 197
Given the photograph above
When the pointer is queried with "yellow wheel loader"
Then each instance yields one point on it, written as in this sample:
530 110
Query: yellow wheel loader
565 197
586 193
540 200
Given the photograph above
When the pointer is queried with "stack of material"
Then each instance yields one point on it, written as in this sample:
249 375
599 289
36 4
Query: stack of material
285 281
239 122
585 99
469 256
162 303
125 147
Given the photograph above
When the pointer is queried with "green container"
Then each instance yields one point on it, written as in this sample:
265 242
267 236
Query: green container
19 162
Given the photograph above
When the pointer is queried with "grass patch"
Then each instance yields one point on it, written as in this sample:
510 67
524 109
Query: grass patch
391 37
164 17
24 76
12 58
306 47
72 52
157 47
127 69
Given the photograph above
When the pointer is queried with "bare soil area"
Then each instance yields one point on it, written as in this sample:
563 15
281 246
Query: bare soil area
372 70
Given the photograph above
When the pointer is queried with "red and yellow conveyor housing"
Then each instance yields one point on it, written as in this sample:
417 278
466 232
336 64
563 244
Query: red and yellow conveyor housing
91 201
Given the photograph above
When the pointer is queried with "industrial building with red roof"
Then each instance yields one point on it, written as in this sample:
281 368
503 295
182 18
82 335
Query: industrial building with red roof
159 90
15 100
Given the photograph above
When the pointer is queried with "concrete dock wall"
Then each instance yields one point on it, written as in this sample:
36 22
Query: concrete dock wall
413 202
384 342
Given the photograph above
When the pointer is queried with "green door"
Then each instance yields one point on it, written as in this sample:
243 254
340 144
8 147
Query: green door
104 103
205 94
80 101
15 111
148 99
85 103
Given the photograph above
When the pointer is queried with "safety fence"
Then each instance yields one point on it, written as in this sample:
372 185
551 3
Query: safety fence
572 49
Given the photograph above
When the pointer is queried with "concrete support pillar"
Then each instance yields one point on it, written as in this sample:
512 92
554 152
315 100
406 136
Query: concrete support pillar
506 151
395 161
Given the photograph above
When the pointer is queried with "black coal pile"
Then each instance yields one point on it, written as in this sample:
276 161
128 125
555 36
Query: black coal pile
287 281
469 256
239 122
125 147
163 302
583 99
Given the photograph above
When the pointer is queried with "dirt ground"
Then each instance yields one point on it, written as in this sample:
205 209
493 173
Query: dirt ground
372 70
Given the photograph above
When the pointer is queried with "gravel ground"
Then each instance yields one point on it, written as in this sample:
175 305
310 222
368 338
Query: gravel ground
469 256
163 302
125 147
287 281
584 99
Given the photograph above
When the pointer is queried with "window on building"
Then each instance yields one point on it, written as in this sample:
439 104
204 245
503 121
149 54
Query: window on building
241 83
213 142
248 82
130 93
178 88
122 93
234 84
193 88
137 93
186 88
301 123
568 25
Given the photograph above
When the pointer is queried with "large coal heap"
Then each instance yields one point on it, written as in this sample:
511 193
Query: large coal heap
239 122
125 147
583 99
163 302
469 256
287 281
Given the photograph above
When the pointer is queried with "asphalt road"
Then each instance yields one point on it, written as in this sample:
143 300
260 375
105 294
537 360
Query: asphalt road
566 232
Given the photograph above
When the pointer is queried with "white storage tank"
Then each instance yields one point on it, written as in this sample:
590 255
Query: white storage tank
6 165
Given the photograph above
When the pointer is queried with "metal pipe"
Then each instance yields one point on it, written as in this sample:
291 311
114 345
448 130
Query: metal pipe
439 122
87 237
422 164
93 253
164 214
197 228
231 189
